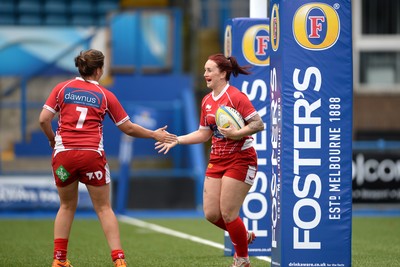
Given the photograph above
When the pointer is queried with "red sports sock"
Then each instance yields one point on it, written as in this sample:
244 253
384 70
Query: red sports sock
221 224
238 235
60 249
117 254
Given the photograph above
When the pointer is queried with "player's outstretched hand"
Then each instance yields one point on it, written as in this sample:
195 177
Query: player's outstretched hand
161 135
165 147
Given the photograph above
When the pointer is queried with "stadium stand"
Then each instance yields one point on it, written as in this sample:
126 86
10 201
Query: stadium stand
7 20
29 7
56 13
51 7
7 7
56 20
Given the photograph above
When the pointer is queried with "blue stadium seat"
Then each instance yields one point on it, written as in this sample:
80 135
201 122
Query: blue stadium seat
30 19
55 7
81 7
7 20
56 20
102 20
29 7
104 7
82 20
7 7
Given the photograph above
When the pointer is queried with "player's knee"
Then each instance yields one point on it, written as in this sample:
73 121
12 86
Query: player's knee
212 215
229 215
69 206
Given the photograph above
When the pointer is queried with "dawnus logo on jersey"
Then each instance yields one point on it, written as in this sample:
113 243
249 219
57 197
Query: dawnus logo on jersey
316 26
82 97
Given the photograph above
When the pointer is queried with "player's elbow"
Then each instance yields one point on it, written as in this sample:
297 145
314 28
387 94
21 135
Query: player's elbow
128 128
258 126
262 126
45 117
44 120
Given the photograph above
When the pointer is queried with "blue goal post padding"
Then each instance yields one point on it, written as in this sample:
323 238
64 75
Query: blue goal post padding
311 115
248 40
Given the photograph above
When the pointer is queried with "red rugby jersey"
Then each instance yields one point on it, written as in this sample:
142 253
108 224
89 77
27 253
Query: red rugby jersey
231 97
82 106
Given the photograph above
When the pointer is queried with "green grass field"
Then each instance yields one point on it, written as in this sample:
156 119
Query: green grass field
376 242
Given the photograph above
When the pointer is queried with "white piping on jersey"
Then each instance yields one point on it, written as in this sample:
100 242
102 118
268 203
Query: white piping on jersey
90 81
59 144
101 146
251 115
221 93
56 151
247 144
122 121
58 95
49 109
117 123
204 128
105 99
65 85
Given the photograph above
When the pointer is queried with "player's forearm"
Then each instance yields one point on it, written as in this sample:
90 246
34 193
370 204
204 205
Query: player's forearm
45 125
47 130
254 125
138 131
252 128
196 137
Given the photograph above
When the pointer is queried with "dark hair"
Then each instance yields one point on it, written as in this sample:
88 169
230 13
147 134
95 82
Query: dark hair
88 61
230 65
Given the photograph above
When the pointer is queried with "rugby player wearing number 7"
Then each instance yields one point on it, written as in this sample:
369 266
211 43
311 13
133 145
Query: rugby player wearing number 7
232 165
78 154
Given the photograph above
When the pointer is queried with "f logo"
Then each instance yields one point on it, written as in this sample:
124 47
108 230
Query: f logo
255 45
316 26
228 41
275 28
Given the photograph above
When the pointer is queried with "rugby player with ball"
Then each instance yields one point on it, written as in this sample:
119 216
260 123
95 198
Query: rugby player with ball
230 119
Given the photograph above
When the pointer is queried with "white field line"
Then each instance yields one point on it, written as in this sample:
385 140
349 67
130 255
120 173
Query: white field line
167 231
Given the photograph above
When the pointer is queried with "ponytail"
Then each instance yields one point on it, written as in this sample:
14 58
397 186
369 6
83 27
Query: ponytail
229 65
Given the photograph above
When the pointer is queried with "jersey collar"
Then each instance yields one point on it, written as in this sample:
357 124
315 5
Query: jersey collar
91 81
221 93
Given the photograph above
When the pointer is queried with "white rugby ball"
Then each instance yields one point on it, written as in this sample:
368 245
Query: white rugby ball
225 114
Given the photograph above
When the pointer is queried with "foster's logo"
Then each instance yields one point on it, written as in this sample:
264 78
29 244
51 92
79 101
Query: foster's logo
316 26
255 45
275 27
228 41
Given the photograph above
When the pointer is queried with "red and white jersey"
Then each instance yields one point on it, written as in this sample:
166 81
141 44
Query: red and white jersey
82 106
230 97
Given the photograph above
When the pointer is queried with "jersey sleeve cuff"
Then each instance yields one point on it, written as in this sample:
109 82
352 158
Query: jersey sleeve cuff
49 109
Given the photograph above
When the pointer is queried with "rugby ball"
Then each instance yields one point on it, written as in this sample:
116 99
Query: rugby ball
225 114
